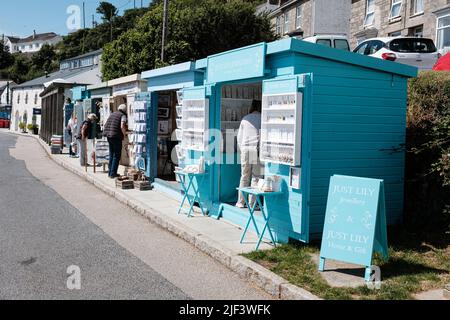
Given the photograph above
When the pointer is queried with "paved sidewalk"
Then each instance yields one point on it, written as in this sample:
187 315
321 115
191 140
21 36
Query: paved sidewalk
226 233
217 238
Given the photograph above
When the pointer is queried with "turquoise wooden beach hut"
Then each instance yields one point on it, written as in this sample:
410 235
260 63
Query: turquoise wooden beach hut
325 112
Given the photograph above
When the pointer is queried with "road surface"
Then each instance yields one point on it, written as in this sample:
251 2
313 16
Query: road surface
51 220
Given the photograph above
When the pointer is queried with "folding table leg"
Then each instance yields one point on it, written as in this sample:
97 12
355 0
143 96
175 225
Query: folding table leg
251 218
266 226
192 203
186 193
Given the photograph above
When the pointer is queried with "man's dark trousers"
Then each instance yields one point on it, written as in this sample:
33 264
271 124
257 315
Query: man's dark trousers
115 153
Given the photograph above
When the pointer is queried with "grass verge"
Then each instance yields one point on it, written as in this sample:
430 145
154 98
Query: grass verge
412 268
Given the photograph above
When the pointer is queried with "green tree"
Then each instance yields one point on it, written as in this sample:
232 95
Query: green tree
45 59
107 10
20 68
197 28
86 40
6 58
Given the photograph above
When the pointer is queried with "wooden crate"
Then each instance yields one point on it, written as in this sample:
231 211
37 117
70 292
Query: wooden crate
124 184
134 176
142 185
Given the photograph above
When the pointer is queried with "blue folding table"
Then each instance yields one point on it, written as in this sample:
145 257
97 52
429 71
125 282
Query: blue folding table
187 184
259 195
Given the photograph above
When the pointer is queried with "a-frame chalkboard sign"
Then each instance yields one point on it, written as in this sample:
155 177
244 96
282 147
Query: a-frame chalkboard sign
355 222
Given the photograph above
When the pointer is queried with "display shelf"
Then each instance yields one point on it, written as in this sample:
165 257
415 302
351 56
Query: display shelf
195 124
284 123
281 128
279 142
179 111
179 134
193 130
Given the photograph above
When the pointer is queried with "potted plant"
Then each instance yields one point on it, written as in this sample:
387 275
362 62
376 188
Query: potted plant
33 128
22 126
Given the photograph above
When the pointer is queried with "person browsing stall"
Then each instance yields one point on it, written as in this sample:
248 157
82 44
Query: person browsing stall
85 134
248 140
115 130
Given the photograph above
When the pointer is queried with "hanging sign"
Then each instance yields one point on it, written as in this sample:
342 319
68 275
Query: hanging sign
355 222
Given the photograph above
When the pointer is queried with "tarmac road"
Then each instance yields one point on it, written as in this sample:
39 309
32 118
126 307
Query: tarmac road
51 220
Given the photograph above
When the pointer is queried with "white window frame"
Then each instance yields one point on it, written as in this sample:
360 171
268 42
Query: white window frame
415 32
440 28
278 29
395 3
369 13
298 16
415 7
286 22
397 33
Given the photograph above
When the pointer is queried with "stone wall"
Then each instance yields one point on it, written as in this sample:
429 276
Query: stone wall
383 26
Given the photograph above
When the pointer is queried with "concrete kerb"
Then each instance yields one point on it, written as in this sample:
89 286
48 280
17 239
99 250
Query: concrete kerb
260 276
290 292
446 292
245 268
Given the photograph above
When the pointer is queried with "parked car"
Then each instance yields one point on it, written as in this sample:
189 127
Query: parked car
329 40
417 52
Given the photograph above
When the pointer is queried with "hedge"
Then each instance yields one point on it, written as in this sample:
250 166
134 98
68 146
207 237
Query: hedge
427 196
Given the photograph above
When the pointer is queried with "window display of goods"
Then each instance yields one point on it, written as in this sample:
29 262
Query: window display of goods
281 128
195 124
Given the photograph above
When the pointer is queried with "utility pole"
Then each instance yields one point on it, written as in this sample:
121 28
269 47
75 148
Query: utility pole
165 27
111 26
142 3
84 16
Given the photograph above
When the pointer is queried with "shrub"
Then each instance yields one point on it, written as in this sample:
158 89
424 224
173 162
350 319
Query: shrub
428 151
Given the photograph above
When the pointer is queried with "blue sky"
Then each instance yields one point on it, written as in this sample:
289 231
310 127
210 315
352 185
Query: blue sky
21 17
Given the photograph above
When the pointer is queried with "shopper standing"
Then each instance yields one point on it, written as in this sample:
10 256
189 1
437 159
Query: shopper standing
72 128
86 130
248 141
116 130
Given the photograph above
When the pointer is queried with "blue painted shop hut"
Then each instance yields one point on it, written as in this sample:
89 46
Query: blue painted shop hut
324 112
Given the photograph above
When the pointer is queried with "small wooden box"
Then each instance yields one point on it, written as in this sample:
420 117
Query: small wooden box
134 176
124 184
142 185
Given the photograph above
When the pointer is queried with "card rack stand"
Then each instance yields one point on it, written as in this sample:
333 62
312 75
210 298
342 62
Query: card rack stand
195 124
139 139
281 128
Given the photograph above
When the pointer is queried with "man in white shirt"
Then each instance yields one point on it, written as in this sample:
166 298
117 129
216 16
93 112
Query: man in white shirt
248 141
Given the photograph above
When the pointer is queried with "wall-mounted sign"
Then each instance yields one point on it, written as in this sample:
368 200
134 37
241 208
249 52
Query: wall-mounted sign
355 222
245 63
295 178
126 88
37 111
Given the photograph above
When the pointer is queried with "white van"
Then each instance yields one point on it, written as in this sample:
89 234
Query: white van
330 40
